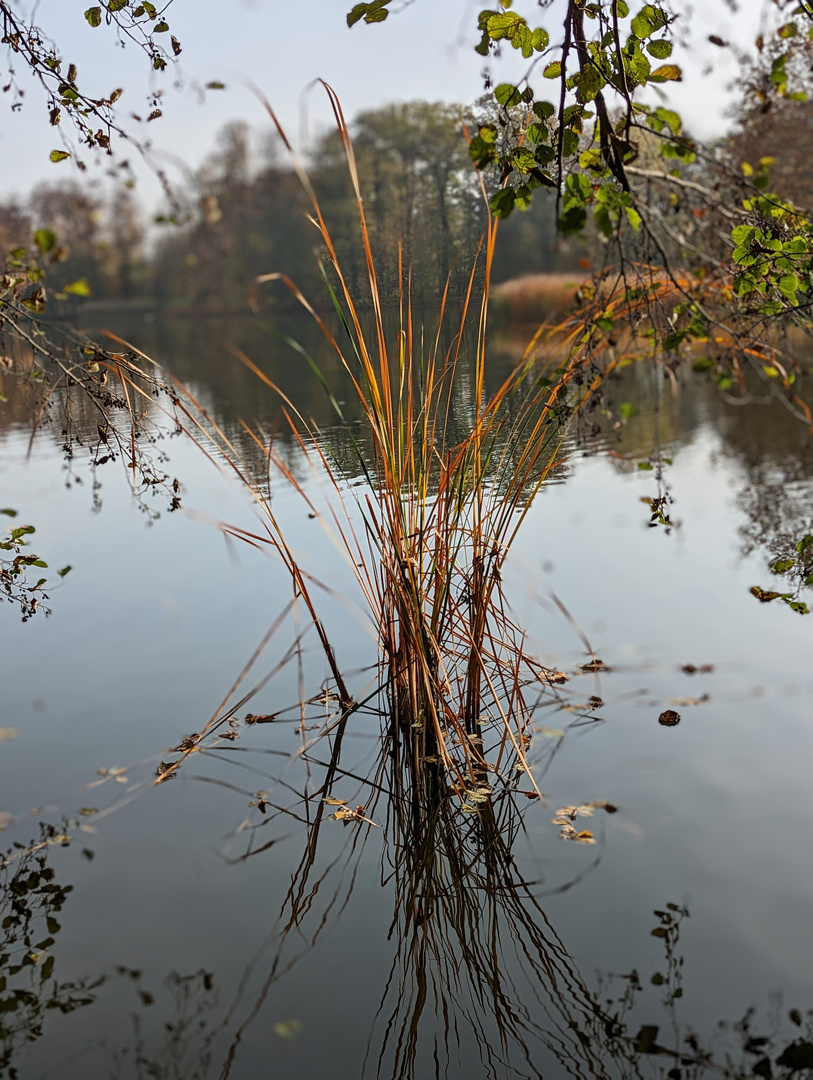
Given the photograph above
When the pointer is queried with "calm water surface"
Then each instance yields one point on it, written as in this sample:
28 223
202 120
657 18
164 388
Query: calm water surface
190 960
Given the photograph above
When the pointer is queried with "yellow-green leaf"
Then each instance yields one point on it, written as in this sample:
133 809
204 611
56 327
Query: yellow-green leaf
666 73
80 287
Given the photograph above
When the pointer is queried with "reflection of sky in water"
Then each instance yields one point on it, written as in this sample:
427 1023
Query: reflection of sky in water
153 623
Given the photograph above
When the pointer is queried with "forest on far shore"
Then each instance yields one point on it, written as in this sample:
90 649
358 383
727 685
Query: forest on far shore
243 213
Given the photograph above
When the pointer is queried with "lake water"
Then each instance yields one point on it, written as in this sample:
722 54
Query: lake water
190 957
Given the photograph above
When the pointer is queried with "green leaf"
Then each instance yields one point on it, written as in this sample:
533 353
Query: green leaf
801 547
161 27
8 512
215 85
788 284
633 217
660 49
544 110
65 570
507 95
570 142
540 39
80 287
45 240
502 202
59 155
670 117
797 605
742 234
781 566
703 363
641 25
553 70
94 16
627 410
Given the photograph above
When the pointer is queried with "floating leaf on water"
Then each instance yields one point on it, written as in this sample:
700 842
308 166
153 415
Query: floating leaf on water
689 700
87 811
8 733
334 802
595 665
263 718
529 794
669 718
693 669
346 815
585 837
287 1029
6 819
552 732
567 811
553 677
607 807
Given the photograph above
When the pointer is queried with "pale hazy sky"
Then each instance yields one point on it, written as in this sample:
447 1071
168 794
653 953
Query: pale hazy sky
425 51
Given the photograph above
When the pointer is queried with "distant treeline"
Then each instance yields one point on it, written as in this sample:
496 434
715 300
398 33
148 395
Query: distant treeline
244 213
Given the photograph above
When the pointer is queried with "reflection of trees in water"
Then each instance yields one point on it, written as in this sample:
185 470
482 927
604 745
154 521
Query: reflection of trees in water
775 456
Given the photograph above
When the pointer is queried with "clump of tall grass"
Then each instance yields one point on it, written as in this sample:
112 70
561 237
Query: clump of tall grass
429 531
439 512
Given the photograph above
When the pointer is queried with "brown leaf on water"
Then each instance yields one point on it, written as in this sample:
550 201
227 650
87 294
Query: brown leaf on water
567 811
693 669
348 816
567 833
7 734
669 718
586 837
529 794
602 804
545 675
595 665
689 700
334 802
263 718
